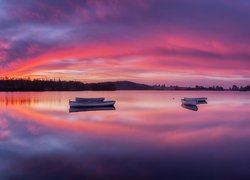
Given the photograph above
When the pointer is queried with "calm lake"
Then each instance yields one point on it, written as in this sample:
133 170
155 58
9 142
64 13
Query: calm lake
149 135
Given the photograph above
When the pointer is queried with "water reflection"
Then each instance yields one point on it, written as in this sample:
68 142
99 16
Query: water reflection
82 109
202 102
193 107
190 107
148 136
28 99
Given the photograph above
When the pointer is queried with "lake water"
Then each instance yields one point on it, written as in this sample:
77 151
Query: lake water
149 135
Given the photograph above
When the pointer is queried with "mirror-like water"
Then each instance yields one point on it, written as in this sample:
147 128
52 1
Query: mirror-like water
148 135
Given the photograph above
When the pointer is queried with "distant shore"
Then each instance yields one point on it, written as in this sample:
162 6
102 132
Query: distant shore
15 85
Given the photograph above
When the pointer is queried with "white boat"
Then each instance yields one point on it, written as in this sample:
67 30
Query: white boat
91 104
189 102
200 99
89 99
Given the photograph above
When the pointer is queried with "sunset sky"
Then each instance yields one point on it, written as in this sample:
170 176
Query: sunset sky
172 42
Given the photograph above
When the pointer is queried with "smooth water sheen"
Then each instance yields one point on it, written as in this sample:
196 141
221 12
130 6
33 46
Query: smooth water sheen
149 136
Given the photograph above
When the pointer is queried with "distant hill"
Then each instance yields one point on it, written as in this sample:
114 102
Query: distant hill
128 85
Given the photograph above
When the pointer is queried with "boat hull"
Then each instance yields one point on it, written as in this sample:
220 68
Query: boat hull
89 99
185 102
201 99
91 104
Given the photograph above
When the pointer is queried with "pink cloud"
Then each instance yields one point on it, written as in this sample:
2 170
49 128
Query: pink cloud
114 40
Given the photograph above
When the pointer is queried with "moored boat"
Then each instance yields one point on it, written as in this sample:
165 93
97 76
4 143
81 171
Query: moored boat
91 104
89 99
189 102
200 99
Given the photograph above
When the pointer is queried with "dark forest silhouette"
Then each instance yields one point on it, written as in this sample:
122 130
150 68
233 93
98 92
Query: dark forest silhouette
53 85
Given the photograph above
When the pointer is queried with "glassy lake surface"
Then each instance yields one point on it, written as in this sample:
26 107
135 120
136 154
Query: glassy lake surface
149 136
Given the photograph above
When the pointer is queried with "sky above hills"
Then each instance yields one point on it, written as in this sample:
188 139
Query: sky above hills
178 42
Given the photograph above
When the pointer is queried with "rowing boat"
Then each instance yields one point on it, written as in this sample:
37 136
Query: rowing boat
91 104
89 99
184 101
200 99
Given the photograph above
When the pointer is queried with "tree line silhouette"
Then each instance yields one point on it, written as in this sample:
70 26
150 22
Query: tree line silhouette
52 85
58 85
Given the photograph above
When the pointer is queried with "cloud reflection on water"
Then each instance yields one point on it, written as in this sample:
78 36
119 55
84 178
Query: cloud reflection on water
151 129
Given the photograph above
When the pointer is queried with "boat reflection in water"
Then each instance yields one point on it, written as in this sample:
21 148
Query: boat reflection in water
201 102
193 107
190 107
83 109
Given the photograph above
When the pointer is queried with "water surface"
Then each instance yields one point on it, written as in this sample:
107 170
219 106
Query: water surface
149 135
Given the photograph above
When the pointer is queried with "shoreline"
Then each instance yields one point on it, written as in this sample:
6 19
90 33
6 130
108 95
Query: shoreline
228 90
22 85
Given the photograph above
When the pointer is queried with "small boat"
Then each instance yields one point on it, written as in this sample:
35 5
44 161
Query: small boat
200 99
82 109
184 101
190 107
89 99
91 104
